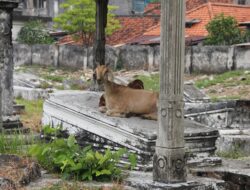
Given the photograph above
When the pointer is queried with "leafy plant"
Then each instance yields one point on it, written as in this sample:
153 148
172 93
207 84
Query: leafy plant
224 30
67 157
34 32
51 131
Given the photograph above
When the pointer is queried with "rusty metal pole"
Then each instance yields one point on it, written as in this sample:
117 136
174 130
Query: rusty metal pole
169 159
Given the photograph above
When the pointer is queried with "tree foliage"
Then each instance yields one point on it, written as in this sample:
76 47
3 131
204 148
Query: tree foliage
79 18
224 30
34 32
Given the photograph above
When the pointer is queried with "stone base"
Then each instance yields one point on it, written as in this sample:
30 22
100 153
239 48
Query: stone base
236 173
144 181
12 124
169 165
234 141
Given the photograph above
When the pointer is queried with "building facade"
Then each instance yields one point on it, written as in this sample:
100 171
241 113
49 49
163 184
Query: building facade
44 10
129 7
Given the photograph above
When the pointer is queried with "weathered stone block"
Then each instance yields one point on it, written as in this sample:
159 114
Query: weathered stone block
71 56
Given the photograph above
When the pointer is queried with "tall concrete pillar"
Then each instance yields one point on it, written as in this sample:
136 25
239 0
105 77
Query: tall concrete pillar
169 159
6 57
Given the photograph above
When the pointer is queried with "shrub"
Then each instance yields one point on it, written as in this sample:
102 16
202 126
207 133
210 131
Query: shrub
67 157
34 32
224 30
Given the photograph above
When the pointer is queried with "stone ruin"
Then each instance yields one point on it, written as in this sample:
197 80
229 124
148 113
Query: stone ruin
8 119
78 113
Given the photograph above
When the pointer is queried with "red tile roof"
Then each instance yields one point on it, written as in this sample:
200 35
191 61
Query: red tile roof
131 27
205 13
191 4
146 27
153 9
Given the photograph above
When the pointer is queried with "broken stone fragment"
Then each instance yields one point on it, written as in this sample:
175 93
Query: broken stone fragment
6 184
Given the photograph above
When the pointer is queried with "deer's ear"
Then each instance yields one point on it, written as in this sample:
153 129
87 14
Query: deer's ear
110 76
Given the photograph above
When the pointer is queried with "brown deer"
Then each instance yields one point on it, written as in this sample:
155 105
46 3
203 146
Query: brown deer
122 101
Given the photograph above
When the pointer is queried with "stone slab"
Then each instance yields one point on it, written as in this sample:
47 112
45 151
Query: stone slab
192 94
77 112
238 143
144 181
86 103
235 172
31 93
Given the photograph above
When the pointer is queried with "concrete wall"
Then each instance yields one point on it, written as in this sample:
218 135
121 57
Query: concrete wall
208 59
198 59
242 57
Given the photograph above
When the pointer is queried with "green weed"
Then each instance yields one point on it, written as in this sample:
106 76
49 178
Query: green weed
13 144
150 82
67 157
234 153
54 78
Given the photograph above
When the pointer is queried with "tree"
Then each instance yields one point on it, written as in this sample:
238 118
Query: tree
224 30
34 32
78 18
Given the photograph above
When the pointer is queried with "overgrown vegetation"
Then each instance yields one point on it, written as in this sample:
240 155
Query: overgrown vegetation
34 32
230 78
224 30
32 115
12 144
73 161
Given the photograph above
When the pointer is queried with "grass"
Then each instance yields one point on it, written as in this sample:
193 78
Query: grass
150 82
217 99
234 153
230 78
32 115
54 78
13 144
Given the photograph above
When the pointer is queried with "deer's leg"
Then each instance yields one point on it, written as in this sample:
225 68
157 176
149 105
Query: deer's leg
151 116
114 113
103 109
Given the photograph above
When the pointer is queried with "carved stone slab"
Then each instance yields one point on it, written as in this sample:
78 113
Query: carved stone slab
78 112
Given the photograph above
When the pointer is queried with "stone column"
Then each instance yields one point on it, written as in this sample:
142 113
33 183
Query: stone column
100 40
6 57
169 159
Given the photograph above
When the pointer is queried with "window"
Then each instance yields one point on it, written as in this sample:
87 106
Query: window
242 2
138 5
40 3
